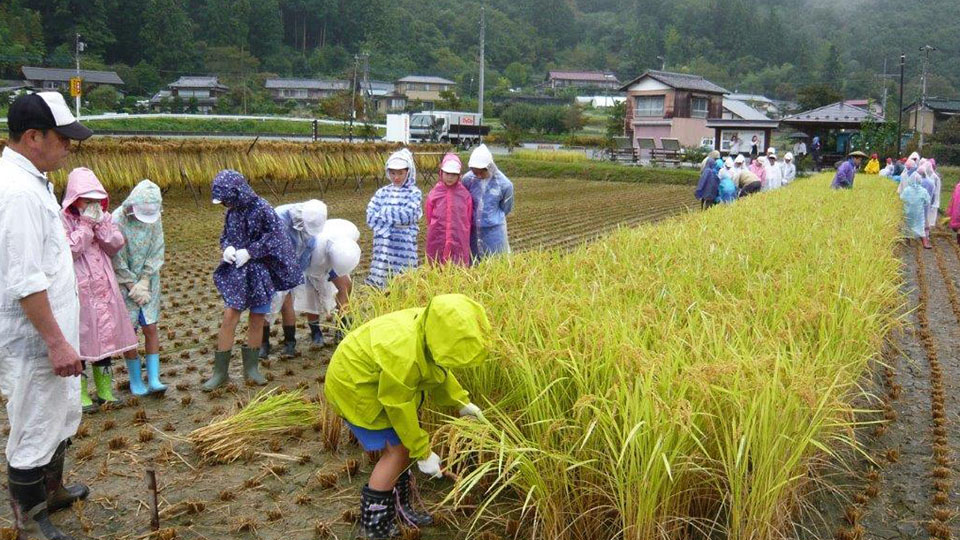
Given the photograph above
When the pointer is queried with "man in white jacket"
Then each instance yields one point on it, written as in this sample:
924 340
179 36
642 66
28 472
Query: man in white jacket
789 168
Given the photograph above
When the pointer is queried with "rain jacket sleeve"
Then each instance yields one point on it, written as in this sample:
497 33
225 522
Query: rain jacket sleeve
954 209
155 255
449 393
397 392
506 199
108 235
21 242
80 236
121 267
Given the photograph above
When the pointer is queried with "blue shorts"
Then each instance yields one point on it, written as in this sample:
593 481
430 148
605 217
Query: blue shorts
261 310
141 319
373 440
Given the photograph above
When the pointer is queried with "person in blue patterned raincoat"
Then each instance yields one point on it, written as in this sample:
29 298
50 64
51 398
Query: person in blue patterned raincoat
393 214
492 194
258 260
137 266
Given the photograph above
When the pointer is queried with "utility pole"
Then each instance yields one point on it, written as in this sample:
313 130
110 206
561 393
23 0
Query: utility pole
903 58
79 45
923 95
366 85
483 30
353 96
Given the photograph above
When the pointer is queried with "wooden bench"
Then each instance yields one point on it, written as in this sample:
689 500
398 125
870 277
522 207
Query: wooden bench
623 152
668 152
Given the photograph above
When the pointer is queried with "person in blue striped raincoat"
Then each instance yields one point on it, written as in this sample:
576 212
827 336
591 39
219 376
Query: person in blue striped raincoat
393 214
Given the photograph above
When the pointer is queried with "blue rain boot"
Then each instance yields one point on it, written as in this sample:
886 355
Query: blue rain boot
153 374
136 377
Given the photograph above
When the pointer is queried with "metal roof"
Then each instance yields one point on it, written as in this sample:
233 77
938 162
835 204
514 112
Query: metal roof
743 110
197 82
593 76
428 79
835 113
679 81
59 74
311 84
939 105
751 97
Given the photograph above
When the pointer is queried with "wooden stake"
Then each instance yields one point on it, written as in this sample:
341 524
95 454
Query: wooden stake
152 486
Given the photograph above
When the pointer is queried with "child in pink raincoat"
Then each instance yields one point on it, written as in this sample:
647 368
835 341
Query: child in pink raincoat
757 168
449 210
954 211
105 329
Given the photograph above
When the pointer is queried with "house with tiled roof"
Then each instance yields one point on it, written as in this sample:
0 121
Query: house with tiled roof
935 111
599 80
425 88
673 106
305 90
206 90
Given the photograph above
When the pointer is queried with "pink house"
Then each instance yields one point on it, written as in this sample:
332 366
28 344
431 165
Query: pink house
664 105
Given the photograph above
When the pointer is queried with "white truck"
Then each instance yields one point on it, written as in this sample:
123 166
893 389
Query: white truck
459 128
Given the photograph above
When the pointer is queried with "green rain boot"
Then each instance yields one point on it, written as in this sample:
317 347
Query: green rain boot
251 366
85 402
103 380
221 362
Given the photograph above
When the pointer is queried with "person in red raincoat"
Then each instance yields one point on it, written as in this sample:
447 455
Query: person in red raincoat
449 211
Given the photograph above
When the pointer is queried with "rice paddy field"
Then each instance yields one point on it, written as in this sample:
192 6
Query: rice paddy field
772 369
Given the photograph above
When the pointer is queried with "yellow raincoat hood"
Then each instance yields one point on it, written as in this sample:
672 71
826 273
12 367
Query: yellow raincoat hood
383 371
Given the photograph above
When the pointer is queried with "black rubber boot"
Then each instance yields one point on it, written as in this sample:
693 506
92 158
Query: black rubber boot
28 497
289 342
404 492
378 514
316 335
60 496
265 346
251 366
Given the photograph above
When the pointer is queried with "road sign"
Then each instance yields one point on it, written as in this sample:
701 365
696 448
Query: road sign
76 87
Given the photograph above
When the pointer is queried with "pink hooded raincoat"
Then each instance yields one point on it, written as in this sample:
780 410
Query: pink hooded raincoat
105 328
954 209
449 212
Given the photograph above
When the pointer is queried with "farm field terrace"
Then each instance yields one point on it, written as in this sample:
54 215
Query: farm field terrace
304 481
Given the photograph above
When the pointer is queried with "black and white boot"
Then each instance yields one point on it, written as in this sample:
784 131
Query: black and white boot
404 491
28 497
378 514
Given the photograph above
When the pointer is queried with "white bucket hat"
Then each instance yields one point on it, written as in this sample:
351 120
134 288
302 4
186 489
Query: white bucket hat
147 212
481 158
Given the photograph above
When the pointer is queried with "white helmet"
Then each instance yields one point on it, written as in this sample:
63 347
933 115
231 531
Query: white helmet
344 255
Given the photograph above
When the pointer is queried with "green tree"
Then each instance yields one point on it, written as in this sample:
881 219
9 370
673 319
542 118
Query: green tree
167 35
103 98
833 68
615 119
519 74
817 95
266 39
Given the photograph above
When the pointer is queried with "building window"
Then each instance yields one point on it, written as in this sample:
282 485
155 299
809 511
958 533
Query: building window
699 108
51 85
649 106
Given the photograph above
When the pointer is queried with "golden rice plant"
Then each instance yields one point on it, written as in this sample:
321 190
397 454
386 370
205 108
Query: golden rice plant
122 163
679 376
269 413
558 156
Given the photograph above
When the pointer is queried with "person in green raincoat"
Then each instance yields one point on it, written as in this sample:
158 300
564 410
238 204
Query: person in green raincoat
378 378
137 266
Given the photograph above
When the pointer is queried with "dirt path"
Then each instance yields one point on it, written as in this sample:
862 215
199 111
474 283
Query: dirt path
908 488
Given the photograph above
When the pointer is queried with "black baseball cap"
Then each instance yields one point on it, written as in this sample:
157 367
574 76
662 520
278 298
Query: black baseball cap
45 110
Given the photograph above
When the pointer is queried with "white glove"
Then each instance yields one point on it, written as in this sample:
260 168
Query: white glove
93 211
242 257
471 410
140 292
430 466
230 255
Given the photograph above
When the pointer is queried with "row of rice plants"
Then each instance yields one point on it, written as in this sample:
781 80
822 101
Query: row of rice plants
678 379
